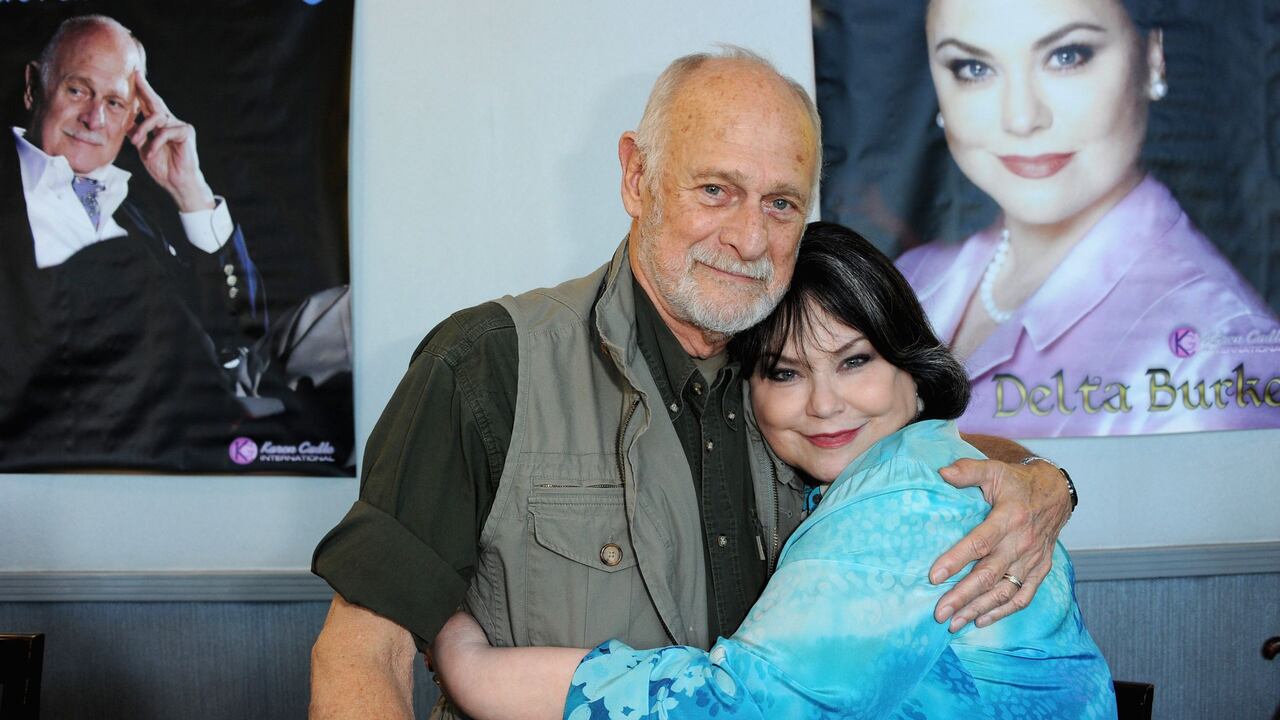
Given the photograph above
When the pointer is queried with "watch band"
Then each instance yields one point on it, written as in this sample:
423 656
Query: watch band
1071 486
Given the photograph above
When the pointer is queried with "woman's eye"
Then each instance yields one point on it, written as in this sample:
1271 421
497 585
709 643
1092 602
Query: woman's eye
857 361
969 70
781 375
1070 56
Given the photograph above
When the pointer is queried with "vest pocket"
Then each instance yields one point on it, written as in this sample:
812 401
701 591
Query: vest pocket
581 575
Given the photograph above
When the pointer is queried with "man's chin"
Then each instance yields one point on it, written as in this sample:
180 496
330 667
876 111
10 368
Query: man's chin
731 314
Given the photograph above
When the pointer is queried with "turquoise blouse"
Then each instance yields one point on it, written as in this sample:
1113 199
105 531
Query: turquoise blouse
845 627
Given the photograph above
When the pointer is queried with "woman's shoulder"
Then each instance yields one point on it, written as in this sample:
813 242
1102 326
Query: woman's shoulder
927 257
928 266
890 508
910 457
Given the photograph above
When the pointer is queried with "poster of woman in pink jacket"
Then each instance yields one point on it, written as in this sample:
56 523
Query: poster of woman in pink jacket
1089 303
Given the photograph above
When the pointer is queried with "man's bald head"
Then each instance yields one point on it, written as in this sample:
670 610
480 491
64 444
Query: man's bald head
659 113
71 29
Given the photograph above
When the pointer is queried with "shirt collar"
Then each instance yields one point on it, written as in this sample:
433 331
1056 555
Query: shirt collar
40 168
1086 275
1100 260
671 366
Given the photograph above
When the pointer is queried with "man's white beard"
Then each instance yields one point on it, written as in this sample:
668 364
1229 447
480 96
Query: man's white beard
725 316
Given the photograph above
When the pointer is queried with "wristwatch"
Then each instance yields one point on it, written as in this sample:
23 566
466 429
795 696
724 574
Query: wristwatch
1071 487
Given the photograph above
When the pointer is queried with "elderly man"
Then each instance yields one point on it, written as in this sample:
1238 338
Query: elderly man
575 464
116 330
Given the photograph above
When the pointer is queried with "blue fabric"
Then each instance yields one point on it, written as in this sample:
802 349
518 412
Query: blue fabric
845 627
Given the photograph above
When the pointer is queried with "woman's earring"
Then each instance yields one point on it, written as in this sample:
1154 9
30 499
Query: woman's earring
1159 88
940 121
919 405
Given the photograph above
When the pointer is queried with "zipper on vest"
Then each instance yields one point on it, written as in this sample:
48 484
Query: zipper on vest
777 515
622 435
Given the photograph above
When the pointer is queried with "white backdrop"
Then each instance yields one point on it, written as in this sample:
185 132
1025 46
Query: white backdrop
483 161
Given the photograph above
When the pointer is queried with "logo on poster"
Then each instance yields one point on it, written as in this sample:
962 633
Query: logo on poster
1184 342
243 451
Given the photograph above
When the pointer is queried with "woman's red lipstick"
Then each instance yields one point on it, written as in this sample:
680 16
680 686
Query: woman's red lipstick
1038 167
833 440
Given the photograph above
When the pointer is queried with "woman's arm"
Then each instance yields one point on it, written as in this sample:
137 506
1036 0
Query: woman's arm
846 623
501 683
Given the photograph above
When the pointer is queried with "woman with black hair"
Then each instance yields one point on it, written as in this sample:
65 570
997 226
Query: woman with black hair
850 386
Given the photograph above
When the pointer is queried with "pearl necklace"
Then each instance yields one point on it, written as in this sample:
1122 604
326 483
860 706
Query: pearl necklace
989 281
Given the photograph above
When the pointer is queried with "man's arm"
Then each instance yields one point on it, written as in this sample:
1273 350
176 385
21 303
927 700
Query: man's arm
361 666
401 559
1030 504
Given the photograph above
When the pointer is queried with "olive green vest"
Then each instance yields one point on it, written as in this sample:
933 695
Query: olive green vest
595 530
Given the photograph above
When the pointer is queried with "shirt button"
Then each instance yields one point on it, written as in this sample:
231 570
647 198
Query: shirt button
611 554
710 446
722 541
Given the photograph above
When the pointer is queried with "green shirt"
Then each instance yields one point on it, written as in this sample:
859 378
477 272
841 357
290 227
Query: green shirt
407 548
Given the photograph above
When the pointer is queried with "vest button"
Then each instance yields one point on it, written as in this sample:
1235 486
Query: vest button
611 554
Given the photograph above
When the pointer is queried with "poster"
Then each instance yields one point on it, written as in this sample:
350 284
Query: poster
174 265
1085 196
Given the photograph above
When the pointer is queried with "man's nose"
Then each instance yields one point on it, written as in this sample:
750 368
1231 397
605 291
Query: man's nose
1023 110
94 115
747 232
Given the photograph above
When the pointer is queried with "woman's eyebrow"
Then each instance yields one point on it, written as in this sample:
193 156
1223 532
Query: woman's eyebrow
1065 30
1049 39
963 46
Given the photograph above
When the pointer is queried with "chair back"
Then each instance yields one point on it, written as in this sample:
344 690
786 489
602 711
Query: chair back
1134 700
21 660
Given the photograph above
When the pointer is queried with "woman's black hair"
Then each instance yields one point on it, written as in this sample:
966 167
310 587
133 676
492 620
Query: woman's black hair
842 274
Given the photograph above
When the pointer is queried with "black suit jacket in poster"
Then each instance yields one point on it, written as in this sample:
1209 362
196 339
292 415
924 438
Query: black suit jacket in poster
113 359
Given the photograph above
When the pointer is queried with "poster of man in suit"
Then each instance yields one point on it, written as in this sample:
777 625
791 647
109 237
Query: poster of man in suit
174 272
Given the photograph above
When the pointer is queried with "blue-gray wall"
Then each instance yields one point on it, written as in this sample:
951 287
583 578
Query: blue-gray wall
1198 639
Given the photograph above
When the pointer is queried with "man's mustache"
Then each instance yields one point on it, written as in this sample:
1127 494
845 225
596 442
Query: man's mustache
759 269
88 136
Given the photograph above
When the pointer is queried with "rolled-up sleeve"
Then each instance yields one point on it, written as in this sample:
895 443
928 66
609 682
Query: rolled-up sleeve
407 548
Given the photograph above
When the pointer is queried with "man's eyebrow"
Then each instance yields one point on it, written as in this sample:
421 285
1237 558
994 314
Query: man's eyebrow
738 178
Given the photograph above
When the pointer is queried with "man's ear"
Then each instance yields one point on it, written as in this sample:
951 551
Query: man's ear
34 88
633 179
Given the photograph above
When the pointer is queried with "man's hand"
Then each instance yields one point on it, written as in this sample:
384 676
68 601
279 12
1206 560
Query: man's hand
1029 506
167 147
